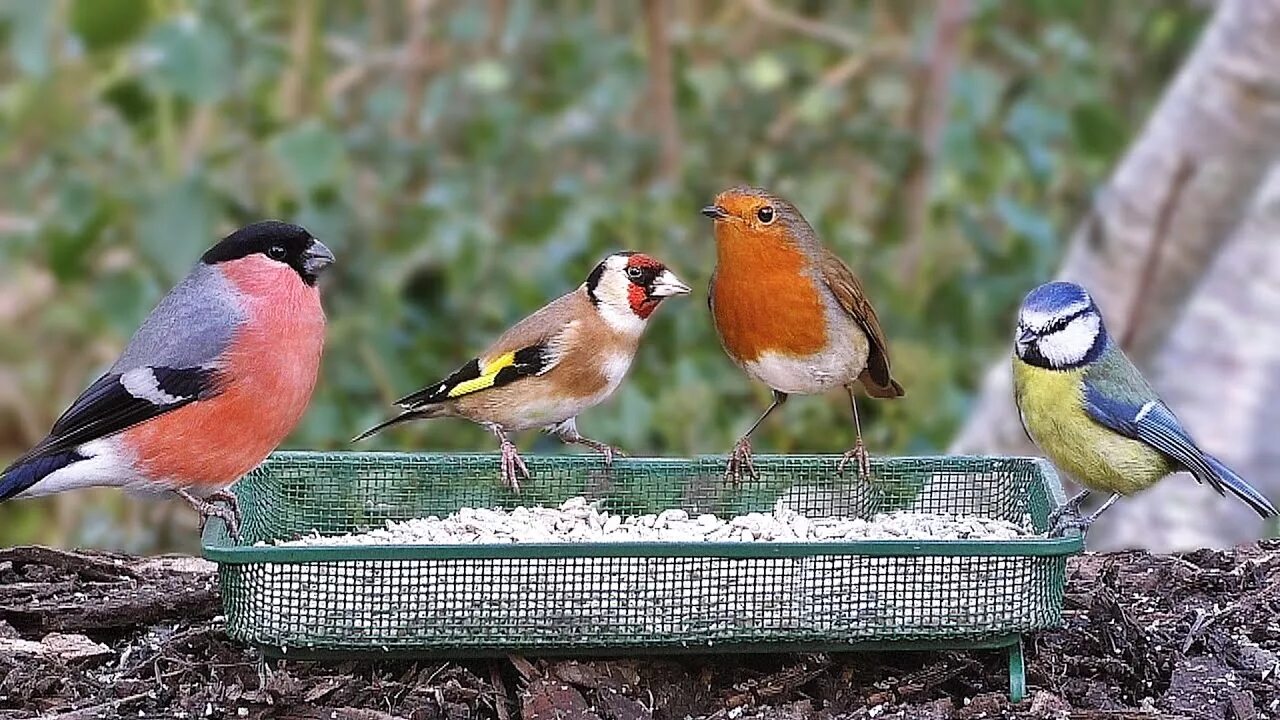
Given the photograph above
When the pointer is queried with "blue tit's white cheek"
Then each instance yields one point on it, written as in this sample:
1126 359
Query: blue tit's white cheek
1070 345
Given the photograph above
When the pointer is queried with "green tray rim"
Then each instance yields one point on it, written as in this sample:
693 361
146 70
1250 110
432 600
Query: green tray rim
216 544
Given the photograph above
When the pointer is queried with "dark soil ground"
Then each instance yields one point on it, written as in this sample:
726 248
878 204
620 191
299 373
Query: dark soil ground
97 636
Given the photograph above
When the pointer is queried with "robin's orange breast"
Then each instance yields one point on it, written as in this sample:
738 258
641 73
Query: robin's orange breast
763 301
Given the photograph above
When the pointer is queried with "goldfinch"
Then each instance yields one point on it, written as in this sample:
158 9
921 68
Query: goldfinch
566 357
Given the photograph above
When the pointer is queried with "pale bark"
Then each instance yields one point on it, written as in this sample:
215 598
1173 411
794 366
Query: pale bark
1222 114
1220 371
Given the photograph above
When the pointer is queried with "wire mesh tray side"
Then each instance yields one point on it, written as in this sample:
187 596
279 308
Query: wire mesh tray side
631 595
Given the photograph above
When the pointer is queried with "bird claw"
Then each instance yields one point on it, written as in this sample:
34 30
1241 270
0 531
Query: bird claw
220 504
1064 521
608 451
1069 509
740 460
513 466
859 455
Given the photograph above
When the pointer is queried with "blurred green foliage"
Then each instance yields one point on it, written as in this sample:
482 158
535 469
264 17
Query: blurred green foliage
469 161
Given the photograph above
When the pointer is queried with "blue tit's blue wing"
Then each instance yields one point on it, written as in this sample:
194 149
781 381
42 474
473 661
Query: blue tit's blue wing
1153 423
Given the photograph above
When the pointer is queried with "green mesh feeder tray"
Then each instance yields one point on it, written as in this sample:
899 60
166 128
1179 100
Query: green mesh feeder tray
630 597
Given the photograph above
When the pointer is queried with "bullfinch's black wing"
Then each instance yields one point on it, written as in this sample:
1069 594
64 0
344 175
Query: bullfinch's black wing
117 402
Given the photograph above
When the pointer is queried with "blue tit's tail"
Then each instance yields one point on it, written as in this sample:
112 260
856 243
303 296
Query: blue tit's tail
1237 486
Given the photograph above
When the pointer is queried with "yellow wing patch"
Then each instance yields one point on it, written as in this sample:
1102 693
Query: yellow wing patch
488 375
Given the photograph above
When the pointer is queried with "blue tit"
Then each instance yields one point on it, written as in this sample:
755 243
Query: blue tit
1086 406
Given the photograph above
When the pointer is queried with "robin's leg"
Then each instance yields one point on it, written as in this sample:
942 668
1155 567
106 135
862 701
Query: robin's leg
512 465
229 513
859 451
740 459
567 431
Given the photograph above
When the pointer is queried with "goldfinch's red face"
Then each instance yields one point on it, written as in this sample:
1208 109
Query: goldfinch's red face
627 287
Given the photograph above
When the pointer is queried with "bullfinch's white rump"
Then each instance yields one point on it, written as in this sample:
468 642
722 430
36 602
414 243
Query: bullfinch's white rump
214 380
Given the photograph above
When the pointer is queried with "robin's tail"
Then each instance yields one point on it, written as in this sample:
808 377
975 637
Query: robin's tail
876 390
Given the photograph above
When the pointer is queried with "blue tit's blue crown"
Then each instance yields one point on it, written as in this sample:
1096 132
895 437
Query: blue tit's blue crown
1054 297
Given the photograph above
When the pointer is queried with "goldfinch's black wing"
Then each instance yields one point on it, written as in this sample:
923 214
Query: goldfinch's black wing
482 374
1153 423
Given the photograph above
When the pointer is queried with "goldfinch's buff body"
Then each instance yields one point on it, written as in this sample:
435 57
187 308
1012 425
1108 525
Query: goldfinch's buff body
566 357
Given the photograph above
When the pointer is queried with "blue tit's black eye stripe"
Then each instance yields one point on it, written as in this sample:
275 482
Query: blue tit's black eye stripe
1063 322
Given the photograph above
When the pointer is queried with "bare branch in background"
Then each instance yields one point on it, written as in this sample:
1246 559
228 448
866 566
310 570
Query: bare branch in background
498 10
1150 270
416 67
929 119
293 86
662 93
815 29
837 75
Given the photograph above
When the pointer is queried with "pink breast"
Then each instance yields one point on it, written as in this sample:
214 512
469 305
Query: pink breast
270 370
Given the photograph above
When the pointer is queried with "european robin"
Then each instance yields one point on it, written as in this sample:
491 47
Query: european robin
790 313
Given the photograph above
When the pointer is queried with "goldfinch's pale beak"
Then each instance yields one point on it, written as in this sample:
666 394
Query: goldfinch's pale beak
316 258
715 212
667 284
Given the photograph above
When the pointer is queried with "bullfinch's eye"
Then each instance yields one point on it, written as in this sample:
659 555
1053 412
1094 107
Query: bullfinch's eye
765 214
276 252
634 273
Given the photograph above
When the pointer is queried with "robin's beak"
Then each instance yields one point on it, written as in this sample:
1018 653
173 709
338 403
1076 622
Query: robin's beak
316 258
715 212
667 284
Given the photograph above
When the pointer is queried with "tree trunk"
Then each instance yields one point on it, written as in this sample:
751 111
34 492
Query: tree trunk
1222 116
1220 371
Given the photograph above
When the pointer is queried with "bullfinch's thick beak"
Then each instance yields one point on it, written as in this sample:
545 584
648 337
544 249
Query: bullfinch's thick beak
316 258
715 212
667 284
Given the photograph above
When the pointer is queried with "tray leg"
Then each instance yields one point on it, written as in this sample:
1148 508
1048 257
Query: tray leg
1017 672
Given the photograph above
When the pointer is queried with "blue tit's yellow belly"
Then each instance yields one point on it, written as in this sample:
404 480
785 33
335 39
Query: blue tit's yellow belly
1052 407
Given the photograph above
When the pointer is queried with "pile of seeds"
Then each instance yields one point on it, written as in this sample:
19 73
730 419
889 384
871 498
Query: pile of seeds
577 520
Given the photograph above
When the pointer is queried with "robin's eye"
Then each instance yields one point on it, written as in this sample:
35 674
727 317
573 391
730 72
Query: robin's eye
276 252
634 273
765 214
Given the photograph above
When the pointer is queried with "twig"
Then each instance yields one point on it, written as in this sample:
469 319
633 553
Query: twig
814 29
88 566
97 711
662 95
1160 237
929 120
500 692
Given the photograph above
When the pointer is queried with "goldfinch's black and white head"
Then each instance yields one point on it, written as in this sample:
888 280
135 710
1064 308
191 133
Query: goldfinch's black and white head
1059 327
627 287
